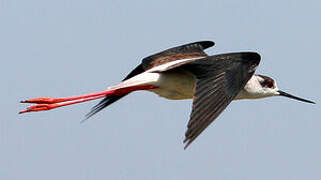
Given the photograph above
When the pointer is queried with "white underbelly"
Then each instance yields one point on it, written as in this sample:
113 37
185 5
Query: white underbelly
176 85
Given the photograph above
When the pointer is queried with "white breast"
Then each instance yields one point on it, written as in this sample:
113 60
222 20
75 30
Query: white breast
250 90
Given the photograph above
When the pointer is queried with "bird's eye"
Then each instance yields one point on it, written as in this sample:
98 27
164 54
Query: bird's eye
269 84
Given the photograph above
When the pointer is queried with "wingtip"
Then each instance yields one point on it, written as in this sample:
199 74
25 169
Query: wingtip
206 44
252 55
85 119
187 145
187 142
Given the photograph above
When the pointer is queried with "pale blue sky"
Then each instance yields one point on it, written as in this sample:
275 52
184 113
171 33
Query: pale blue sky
71 47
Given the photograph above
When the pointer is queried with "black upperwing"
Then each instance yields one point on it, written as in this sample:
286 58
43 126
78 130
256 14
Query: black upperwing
191 50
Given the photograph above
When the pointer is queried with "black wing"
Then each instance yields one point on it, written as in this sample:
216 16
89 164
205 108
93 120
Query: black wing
191 50
219 79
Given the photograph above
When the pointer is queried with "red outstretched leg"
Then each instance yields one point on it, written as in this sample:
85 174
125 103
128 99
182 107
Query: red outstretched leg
48 103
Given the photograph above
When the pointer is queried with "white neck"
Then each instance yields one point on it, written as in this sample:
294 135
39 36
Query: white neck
254 90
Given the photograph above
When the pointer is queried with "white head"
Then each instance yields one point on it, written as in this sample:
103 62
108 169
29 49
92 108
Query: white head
260 86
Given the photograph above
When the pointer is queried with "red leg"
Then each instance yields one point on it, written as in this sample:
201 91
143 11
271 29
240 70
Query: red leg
50 100
48 103
45 107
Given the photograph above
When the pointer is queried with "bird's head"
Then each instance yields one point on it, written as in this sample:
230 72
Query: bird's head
267 87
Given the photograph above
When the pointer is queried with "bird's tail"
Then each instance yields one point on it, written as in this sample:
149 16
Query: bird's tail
108 100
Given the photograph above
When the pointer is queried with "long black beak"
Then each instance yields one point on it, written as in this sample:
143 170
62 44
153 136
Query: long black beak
282 93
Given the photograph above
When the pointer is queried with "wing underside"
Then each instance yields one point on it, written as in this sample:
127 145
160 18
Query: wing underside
219 79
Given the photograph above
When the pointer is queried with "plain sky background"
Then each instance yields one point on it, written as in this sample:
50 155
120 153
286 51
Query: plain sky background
71 47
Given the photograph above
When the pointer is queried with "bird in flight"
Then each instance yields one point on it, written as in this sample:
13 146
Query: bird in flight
185 72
